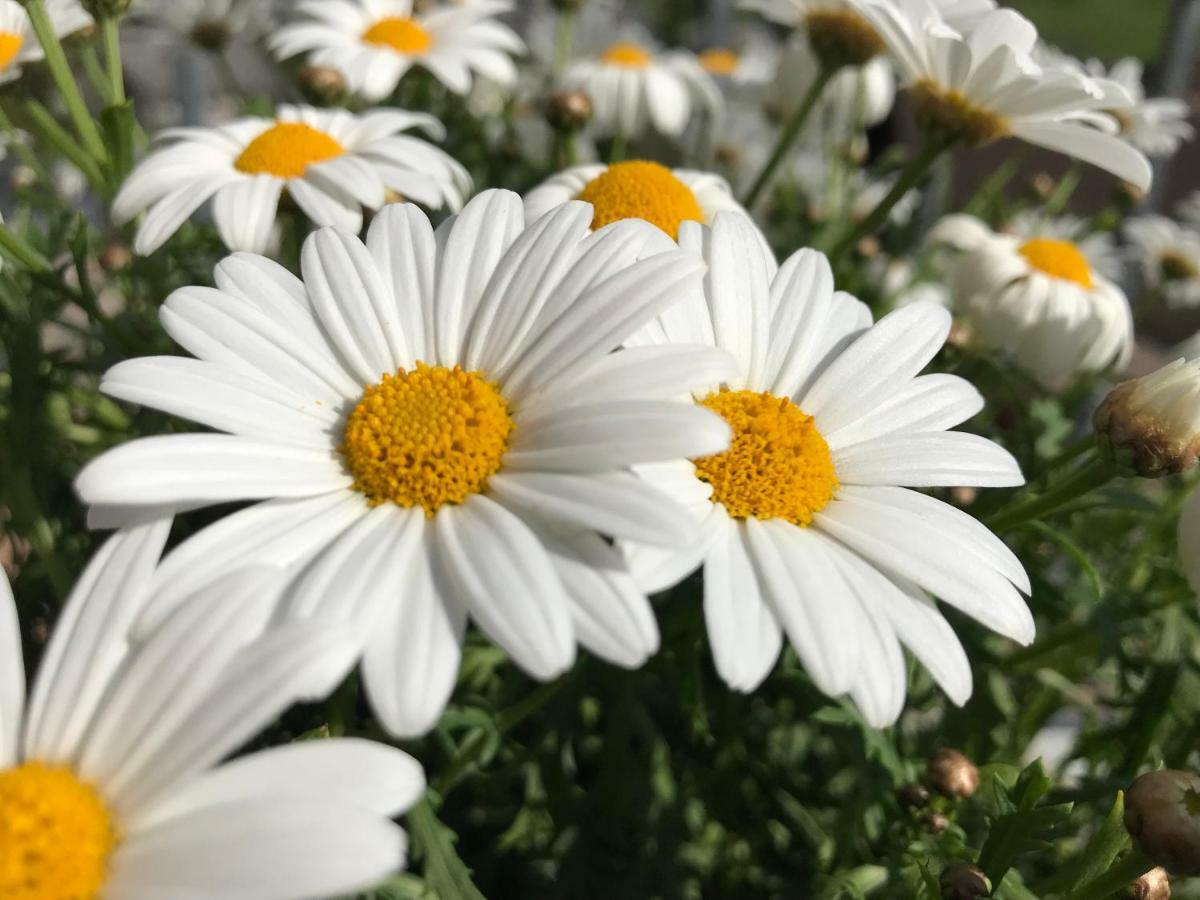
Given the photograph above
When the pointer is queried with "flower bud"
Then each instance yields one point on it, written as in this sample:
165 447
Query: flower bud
1162 814
14 552
965 882
1151 426
116 257
952 774
106 9
1154 885
914 796
323 84
569 110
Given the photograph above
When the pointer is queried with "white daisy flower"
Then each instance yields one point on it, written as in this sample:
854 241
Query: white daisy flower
19 45
374 43
440 429
1156 125
634 86
985 85
751 66
856 97
210 24
636 190
1169 256
1038 298
1153 423
332 163
111 782
1098 247
1189 540
808 526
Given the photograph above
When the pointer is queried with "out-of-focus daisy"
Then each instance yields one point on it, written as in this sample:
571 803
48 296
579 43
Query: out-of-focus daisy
809 529
1189 540
209 24
1098 247
1169 255
440 429
634 86
332 163
857 97
841 191
374 43
1039 299
19 45
750 64
986 86
636 190
1155 125
111 782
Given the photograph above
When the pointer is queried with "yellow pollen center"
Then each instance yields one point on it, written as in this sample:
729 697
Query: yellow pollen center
641 190
55 835
286 150
952 113
1058 259
10 46
400 33
720 61
426 437
778 466
843 37
627 55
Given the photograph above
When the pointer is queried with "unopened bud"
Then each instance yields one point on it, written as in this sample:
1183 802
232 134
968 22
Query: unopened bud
116 257
106 9
1151 426
1162 814
935 822
868 247
1154 885
965 882
1043 186
323 84
569 110
14 553
914 796
952 774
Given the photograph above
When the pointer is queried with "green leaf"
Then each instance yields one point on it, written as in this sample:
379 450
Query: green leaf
433 843
117 124
1109 841
1026 828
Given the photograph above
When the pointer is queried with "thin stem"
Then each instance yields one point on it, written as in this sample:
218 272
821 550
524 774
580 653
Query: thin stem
619 148
562 42
62 141
788 136
96 75
64 79
25 255
1124 872
112 58
1065 191
28 156
1094 474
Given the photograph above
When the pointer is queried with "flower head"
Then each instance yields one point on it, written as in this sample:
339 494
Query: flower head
1157 126
209 24
1169 255
1152 424
1162 813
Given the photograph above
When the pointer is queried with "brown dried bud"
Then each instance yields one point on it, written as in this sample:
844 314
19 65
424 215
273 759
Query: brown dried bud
868 247
1151 426
952 774
116 257
914 796
1154 885
935 822
964 496
323 84
1162 813
965 882
569 110
14 552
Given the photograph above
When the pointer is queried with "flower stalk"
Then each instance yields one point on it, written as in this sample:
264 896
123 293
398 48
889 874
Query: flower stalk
1093 474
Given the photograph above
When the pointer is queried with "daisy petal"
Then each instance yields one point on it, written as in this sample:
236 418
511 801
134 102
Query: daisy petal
12 676
940 459
244 212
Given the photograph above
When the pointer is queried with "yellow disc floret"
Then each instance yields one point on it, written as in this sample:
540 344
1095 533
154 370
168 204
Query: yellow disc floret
10 46
286 150
778 466
55 835
641 190
720 61
627 55
400 33
426 437
1058 259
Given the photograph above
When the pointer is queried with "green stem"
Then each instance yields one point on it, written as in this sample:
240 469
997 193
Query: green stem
909 179
25 255
1065 191
619 148
788 136
62 141
1094 474
1124 872
562 42
28 156
64 79
96 75
112 58
445 872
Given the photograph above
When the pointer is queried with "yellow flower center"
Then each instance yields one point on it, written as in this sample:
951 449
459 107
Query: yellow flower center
1177 267
626 55
402 34
10 46
950 112
1058 259
843 37
55 835
286 150
426 437
778 466
720 61
641 190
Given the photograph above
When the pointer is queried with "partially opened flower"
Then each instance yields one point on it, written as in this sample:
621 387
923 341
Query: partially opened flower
439 428
809 527
1189 540
1169 256
1039 299
111 776
18 43
1152 424
1157 126
374 43
332 163
636 190
984 85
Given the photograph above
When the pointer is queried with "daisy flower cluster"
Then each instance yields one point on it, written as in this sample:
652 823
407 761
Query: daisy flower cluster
617 449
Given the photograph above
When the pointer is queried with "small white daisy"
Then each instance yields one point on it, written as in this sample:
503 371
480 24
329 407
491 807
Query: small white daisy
1189 540
1155 125
440 429
1169 256
985 86
809 529
19 45
210 24
634 86
111 776
636 190
374 43
332 163
751 65
1040 299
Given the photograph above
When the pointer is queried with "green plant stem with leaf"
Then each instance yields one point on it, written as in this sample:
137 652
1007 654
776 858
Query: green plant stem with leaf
1094 473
